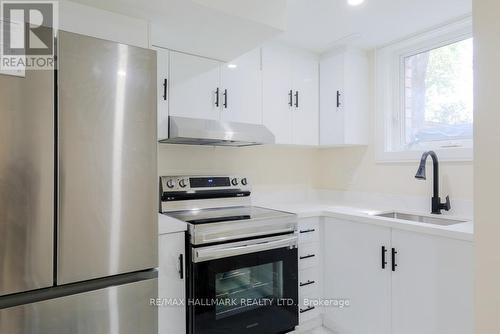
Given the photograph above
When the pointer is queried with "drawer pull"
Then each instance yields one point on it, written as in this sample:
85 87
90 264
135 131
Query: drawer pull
308 231
307 256
307 283
310 308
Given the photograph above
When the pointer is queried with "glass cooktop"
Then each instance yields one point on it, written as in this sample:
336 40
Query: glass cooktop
217 215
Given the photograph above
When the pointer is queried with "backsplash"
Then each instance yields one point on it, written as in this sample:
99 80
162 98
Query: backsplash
264 165
292 168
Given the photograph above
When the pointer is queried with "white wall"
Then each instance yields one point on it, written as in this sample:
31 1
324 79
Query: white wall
264 165
487 164
355 169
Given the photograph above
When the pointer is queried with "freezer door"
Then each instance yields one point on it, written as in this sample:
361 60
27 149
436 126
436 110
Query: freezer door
108 185
123 309
26 181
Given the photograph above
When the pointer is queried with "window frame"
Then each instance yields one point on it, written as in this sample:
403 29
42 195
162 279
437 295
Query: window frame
390 95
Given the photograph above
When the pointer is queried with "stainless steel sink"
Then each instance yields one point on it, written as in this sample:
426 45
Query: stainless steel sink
420 219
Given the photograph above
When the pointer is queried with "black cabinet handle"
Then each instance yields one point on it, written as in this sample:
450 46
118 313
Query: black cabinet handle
296 99
290 98
308 231
310 308
338 99
225 98
384 262
307 283
394 264
165 82
307 256
181 266
217 97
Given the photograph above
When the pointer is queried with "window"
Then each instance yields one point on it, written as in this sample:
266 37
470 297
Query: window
438 95
425 95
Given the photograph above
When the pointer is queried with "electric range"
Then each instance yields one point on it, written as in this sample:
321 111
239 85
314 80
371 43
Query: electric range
242 265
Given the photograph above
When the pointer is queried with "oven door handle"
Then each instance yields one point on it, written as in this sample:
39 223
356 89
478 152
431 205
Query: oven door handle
235 249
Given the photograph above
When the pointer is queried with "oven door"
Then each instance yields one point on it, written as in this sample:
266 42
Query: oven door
244 287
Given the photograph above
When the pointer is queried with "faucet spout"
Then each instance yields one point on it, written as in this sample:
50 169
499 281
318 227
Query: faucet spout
437 206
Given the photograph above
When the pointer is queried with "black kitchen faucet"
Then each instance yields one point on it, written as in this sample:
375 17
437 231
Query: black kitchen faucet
437 206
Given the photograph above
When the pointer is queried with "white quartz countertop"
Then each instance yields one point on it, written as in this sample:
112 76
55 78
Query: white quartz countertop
167 224
359 213
461 231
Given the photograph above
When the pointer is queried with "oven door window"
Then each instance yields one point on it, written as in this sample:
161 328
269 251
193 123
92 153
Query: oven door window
251 293
245 289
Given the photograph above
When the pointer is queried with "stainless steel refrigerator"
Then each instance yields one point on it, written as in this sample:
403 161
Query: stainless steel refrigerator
78 192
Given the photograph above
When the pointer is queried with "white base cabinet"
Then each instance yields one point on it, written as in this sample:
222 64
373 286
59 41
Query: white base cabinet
353 271
171 284
428 288
310 270
432 287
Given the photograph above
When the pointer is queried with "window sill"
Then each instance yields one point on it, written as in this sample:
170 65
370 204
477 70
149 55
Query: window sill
445 154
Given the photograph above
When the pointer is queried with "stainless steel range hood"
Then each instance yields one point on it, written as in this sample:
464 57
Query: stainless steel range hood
191 131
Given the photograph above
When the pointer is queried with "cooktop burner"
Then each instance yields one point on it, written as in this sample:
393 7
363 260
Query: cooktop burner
218 215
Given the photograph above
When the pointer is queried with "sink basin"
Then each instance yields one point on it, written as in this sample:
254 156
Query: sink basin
420 219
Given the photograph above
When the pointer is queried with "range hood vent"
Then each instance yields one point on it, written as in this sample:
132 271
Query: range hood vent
192 131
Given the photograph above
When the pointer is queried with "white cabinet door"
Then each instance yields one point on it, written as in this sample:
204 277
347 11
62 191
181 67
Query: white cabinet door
432 287
162 60
193 84
331 108
171 283
305 110
353 270
344 98
277 64
356 98
242 89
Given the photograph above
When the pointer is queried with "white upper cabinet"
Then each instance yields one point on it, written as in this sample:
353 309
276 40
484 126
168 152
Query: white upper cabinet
193 86
204 88
290 94
277 92
344 98
162 95
242 89
305 115
433 285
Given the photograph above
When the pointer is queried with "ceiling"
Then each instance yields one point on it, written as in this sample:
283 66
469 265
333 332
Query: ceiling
320 25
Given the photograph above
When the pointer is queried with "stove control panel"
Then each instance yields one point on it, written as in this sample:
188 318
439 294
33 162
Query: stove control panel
198 187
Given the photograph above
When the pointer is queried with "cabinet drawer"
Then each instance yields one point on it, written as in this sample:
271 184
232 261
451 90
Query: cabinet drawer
309 292
309 230
309 284
310 276
308 255
307 313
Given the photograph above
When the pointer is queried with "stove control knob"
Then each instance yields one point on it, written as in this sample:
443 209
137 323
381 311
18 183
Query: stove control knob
182 183
234 182
244 181
170 184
